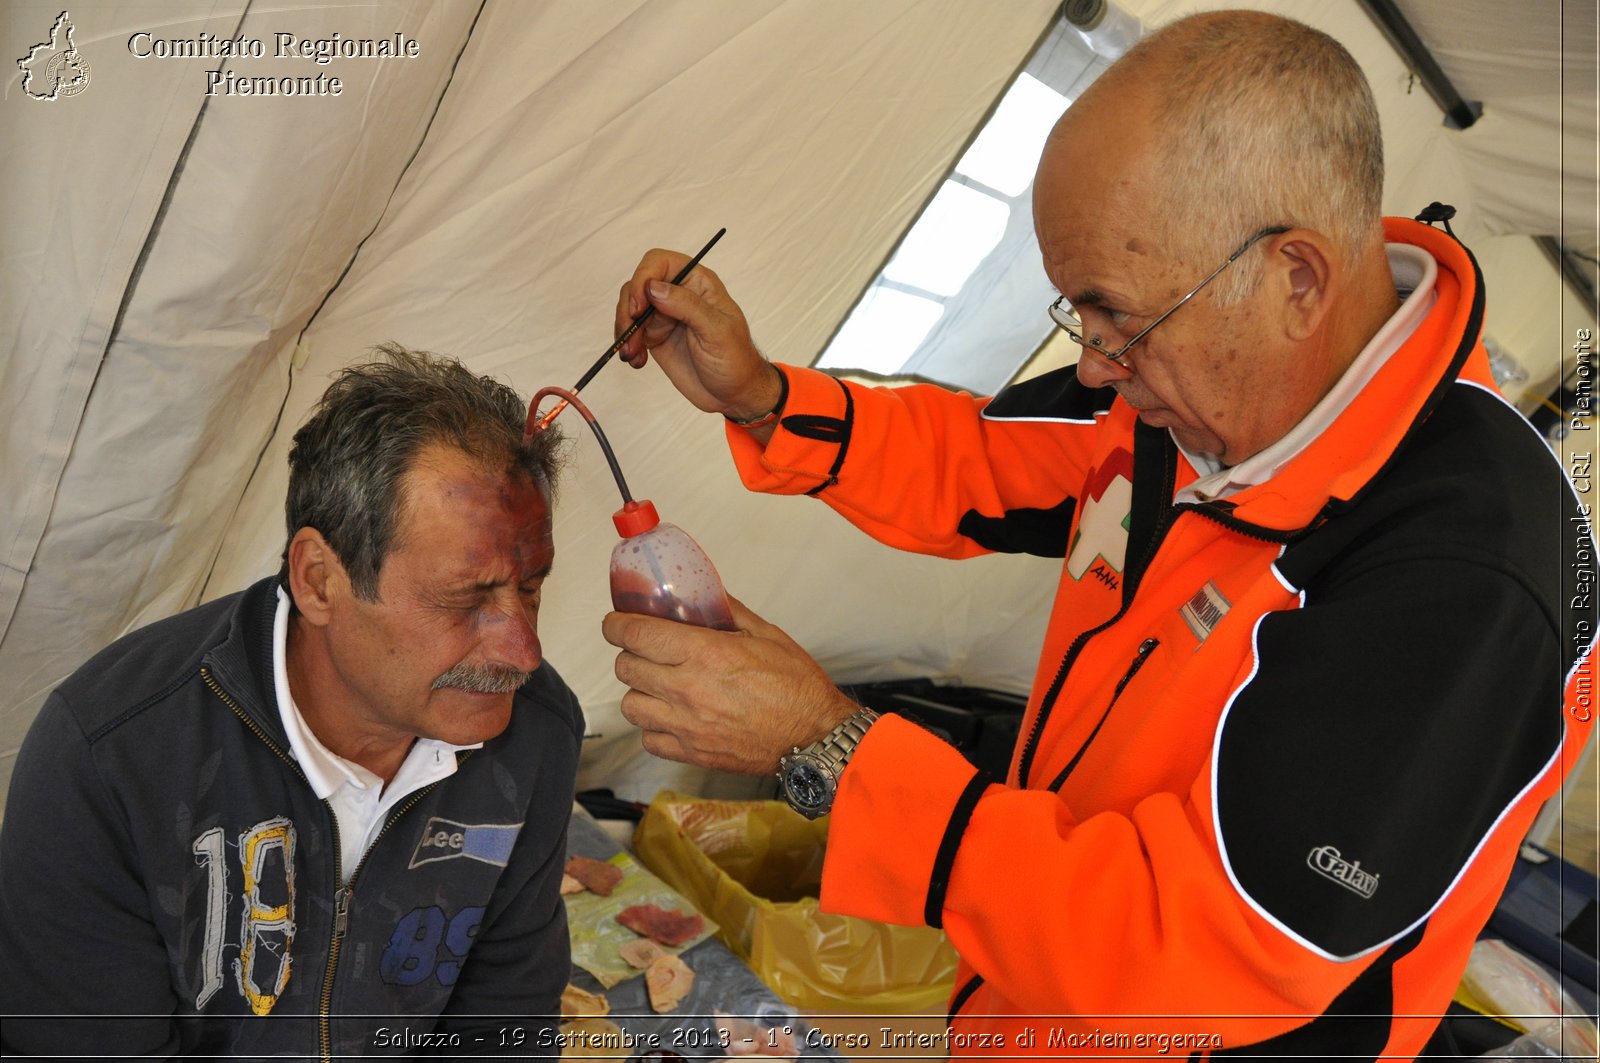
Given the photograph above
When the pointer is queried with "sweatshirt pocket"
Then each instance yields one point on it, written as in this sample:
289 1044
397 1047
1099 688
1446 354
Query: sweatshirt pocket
1146 648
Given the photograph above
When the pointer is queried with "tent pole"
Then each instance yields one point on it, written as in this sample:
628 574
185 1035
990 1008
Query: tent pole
1458 113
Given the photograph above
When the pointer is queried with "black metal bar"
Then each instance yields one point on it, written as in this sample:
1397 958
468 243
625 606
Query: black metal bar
1577 277
1458 113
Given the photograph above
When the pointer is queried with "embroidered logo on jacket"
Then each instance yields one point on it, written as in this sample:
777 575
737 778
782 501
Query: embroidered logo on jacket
260 904
1205 610
445 839
1100 544
1326 861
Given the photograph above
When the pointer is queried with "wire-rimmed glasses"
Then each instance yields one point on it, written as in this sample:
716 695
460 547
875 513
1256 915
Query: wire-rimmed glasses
1067 319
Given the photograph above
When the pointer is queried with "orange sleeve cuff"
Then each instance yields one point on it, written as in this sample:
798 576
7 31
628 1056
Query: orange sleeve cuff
903 784
792 464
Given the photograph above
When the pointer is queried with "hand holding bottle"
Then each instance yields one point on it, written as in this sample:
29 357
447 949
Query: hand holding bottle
727 700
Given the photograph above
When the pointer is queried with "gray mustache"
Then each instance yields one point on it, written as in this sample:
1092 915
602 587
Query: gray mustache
482 679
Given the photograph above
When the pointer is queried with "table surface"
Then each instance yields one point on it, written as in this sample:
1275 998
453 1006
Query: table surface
728 1011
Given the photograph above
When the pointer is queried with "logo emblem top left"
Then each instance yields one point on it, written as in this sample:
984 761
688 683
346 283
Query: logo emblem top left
54 69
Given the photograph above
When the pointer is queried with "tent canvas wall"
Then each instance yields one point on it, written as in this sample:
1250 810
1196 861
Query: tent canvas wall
181 273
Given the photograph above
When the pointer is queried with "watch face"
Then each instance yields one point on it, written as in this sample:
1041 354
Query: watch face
806 787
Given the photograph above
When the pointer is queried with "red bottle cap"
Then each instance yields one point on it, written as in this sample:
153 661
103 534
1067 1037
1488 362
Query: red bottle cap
635 518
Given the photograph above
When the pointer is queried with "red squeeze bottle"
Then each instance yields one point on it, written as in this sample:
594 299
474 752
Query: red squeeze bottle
657 570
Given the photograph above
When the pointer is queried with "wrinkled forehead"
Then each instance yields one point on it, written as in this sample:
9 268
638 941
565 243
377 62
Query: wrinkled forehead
1098 202
492 506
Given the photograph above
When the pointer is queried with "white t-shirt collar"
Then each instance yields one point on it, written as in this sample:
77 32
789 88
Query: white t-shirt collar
428 761
1415 274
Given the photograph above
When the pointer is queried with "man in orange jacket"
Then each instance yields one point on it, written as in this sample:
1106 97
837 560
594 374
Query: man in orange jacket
1311 669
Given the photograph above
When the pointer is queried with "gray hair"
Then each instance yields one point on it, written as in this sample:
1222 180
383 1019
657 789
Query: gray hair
349 460
1265 121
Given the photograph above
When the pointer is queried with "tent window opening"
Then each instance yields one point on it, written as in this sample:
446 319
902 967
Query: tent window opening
961 301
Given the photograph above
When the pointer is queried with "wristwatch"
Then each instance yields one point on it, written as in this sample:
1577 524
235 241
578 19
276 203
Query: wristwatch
810 776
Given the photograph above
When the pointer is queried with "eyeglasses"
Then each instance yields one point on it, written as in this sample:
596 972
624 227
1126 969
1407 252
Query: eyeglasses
1067 319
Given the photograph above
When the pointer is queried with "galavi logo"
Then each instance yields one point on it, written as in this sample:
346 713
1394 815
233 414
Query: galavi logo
1326 861
55 69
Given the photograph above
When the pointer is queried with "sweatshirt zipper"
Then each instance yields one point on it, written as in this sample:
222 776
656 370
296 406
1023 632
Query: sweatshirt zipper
341 897
341 923
244 717
342 892
341 915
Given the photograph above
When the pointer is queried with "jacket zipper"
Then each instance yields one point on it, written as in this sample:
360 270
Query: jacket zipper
342 893
1146 648
1150 496
341 916
1070 658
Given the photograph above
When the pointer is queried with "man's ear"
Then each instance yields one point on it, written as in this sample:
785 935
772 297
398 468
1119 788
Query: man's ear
315 575
1306 258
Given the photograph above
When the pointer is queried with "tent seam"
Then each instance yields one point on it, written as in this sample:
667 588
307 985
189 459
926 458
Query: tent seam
277 423
130 287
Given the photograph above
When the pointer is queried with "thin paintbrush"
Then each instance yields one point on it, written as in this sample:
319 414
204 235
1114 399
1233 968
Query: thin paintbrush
600 362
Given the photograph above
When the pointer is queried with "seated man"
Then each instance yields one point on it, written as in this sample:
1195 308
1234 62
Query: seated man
342 791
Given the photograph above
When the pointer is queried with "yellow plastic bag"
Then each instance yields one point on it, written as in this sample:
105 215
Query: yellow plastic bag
755 868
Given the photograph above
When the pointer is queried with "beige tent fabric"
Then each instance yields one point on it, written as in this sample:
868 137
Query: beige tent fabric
84 181
163 250
530 203
572 137
172 311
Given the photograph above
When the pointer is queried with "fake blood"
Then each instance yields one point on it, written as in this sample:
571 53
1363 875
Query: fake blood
657 570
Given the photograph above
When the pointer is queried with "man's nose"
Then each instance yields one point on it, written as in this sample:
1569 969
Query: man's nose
511 635
1095 370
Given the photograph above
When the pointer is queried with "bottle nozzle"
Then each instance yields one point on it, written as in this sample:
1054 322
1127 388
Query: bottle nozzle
635 518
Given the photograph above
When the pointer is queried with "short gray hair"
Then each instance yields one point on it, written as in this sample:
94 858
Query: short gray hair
349 460
1266 121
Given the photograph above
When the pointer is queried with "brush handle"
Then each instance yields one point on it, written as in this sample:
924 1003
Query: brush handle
600 363
649 312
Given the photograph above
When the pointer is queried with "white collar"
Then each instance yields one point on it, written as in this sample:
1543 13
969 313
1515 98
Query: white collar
1415 273
428 760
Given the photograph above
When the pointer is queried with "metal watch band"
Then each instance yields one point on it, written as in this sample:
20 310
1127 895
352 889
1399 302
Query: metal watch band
840 742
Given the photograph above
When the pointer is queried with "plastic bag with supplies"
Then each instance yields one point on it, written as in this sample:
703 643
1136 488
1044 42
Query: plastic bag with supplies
755 867
1502 982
